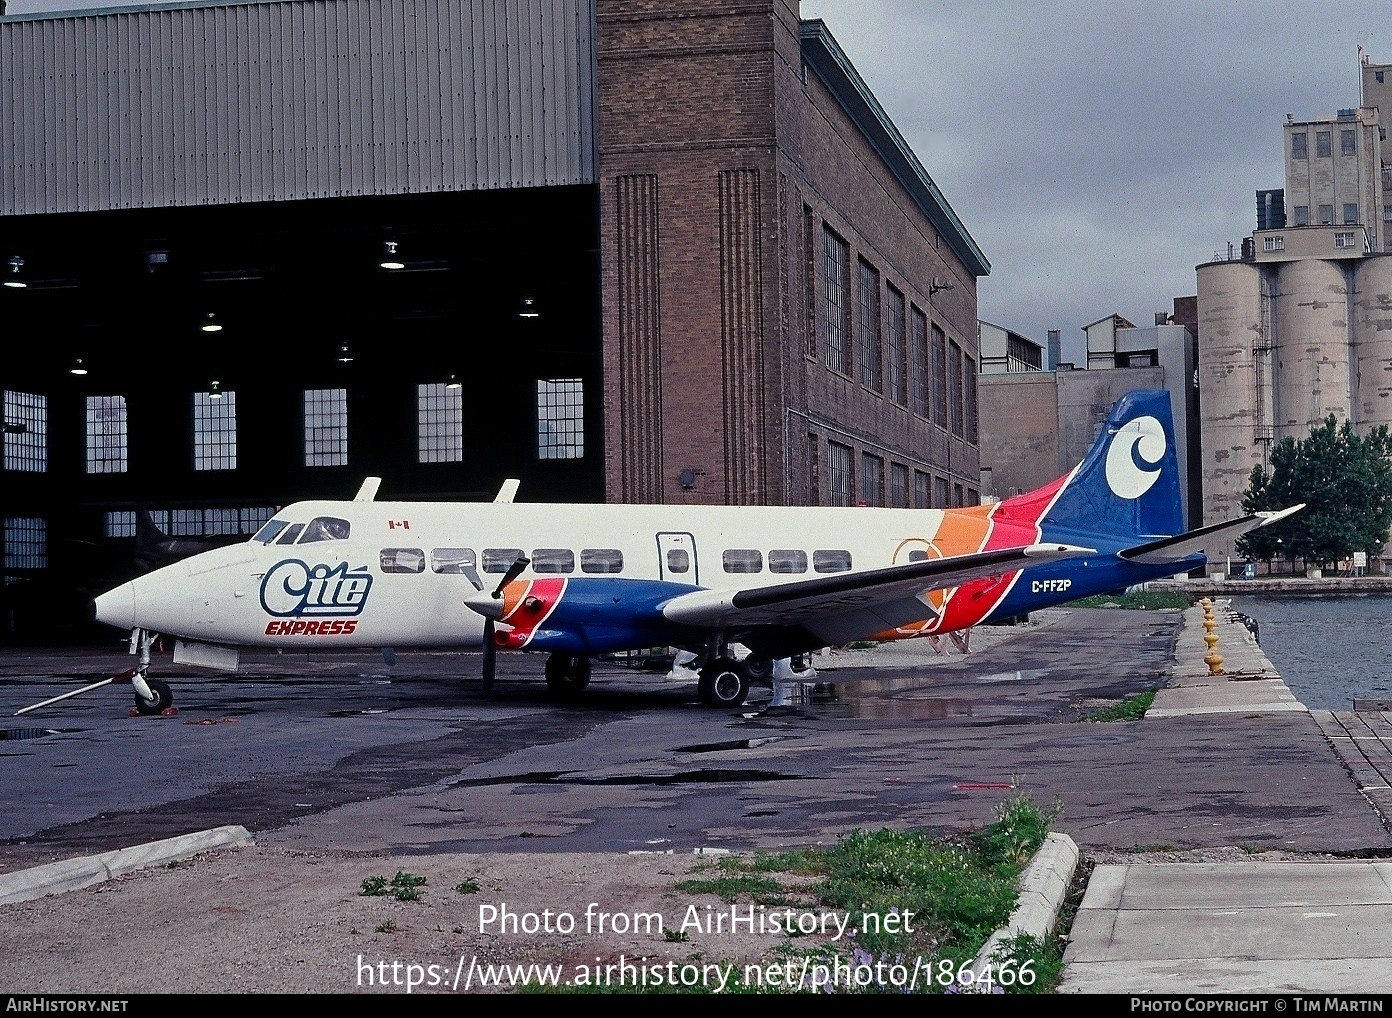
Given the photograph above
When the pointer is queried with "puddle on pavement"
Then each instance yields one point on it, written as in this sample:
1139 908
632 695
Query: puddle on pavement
14 734
714 776
720 747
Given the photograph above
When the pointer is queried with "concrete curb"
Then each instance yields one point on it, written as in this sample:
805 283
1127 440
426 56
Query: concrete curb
71 874
1043 887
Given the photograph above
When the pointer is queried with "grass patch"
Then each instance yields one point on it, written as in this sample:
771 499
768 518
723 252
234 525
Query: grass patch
1143 600
1133 708
467 887
734 886
403 887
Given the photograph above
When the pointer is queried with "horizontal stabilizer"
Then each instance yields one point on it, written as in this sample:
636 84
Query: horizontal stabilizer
1175 549
883 590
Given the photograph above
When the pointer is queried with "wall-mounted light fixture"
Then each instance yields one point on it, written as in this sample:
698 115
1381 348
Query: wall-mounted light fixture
452 382
938 284
391 259
215 389
345 352
528 308
13 279
78 367
211 323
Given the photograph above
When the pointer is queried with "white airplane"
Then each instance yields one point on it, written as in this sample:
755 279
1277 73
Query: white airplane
575 581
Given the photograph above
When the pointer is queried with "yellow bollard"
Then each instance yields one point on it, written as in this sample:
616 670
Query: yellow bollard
1213 659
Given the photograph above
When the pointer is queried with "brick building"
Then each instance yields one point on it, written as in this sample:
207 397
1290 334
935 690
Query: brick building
620 250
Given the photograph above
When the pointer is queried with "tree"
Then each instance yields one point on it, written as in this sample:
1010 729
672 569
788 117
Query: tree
1345 481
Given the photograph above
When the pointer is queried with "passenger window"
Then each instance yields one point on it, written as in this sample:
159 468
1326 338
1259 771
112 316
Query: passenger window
402 560
553 560
787 561
325 528
289 536
500 560
452 560
267 533
678 561
831 561
918 555
601 560
743 560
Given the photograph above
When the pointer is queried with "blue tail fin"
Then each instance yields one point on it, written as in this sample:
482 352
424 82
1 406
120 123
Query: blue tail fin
1128 486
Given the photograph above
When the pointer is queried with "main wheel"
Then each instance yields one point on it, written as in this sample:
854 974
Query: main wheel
164 698
723 684
567 674
758 669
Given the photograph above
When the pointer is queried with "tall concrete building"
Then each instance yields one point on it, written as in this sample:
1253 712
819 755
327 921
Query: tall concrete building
1299 325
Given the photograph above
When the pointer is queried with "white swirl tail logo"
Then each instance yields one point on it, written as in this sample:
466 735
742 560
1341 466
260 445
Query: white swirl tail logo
1138 445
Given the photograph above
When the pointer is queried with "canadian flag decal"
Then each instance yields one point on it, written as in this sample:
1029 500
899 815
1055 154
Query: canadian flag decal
398 524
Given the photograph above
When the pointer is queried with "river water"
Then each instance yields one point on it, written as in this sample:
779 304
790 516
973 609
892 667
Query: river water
1329 649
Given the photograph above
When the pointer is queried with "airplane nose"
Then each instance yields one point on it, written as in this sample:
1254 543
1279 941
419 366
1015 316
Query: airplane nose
117 606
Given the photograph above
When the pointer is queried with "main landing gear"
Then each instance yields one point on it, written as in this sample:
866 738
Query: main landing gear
724 682
567 674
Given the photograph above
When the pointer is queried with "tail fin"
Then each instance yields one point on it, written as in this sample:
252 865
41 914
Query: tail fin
1128 486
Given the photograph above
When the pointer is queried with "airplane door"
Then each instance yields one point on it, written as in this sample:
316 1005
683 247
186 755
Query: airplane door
676 555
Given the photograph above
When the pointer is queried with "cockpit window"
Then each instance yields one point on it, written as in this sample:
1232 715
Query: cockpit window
325 528
291 533
268 532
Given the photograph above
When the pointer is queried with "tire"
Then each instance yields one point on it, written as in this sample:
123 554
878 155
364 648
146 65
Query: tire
723 684
567 674
758 669
164 698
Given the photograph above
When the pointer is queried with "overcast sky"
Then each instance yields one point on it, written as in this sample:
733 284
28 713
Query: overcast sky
1097 152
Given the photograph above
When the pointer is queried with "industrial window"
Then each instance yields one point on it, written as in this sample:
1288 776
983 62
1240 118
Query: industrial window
1273 243
787 560
922 494
940 492
1302 215
839 465
119 524
553 560
814 469
440 423
973 497
957 496
969 407
939 378
26 432
955 395
918 360
26 543
1299 149
1350 212
500 560
868 325
742 560
452 561
1387 214
1322 147
215 431
325 427
251 519
1343 239
831 561
1326 215
899 486
402 560
871 479
1347 144
601 560
898 359
106 434
560 418
835 255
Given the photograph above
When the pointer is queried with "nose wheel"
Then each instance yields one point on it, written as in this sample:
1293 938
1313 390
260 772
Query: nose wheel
163 698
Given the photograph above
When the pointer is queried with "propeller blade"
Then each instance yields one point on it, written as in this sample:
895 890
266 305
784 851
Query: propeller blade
514 571
490 653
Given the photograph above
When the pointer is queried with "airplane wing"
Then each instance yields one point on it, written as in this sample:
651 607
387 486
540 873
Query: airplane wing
841 607
1173 549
